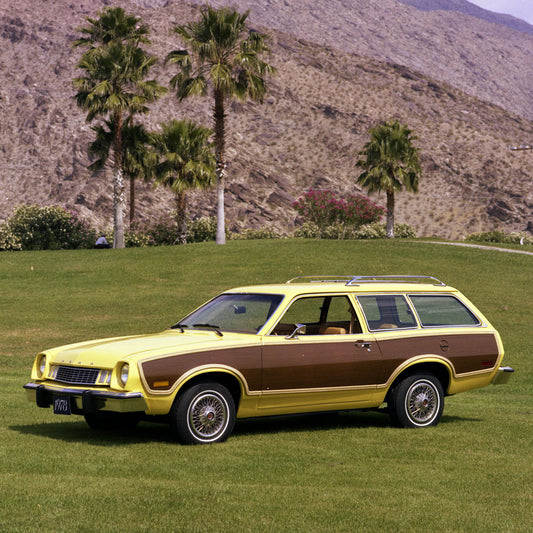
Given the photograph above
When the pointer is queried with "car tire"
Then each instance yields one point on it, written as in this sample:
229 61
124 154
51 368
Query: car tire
109 421
203 414
417 401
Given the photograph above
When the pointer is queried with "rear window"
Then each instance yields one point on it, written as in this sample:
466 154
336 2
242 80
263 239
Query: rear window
442 310
386 311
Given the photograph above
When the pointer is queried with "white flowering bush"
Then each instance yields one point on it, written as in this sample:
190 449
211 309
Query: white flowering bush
308 230
377 230
374 230
49 228
8 240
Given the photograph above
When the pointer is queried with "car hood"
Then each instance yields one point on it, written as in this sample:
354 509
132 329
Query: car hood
106 352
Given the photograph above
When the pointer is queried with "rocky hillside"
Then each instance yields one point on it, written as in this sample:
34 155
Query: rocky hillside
444 39
468 8
331 87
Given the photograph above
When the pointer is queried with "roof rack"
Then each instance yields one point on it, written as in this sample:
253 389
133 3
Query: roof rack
321 279
356 280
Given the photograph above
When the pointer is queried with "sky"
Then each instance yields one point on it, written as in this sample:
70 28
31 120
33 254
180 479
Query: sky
522 9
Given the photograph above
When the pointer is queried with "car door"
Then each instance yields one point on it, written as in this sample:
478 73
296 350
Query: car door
317 357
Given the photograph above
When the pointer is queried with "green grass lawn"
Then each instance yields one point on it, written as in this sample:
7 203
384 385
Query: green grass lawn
341 473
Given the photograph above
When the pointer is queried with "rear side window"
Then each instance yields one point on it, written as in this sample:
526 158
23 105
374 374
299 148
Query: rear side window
387 311
442 310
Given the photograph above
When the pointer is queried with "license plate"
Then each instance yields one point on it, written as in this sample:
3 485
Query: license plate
62 405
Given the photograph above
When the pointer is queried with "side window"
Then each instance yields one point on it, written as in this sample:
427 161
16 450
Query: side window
304 311
384 311
442 310
321 315
340 315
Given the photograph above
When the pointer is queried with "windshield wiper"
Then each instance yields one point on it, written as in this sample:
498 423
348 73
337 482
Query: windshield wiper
211 326
179 326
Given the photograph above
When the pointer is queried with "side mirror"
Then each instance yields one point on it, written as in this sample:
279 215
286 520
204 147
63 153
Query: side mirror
298 330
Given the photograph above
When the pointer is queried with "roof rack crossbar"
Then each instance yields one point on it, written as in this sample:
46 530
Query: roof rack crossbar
356 280
396 279
321 279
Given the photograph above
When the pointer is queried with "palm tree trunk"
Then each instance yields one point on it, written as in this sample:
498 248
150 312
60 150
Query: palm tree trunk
219 117
119 201
181 217
390 214
119 205
132 200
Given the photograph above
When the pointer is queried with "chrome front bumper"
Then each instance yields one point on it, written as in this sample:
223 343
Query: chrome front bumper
87 401
503 375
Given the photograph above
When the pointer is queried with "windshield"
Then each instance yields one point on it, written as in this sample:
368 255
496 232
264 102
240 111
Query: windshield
242 313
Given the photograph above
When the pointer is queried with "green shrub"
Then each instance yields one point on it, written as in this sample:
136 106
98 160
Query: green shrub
163 232
202 229
250 234
501 237
50 228
488 236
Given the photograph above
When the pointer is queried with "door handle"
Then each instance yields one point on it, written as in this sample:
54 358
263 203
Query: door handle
362 344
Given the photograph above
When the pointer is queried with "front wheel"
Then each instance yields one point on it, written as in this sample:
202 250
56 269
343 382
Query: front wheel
203 414
417 401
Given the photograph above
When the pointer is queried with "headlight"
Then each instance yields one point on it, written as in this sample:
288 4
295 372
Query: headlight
41 366
123 374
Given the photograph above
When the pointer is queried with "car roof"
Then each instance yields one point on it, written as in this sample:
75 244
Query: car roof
349 284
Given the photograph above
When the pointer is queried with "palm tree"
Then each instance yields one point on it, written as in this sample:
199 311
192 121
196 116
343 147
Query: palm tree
185 161
227 60
113 24
136 162
390 164
113 86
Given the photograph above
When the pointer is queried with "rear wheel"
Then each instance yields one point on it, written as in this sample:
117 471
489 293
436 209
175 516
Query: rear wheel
203 414
417 401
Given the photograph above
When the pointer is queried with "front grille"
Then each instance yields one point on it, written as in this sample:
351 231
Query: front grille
77 375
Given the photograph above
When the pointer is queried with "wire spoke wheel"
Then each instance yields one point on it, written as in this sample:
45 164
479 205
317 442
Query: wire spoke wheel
422 402
417 401
208 415
203 414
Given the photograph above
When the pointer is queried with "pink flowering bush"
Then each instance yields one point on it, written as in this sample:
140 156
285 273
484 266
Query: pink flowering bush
320 207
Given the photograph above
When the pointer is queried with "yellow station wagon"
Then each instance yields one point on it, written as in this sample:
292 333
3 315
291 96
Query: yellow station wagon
312 344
